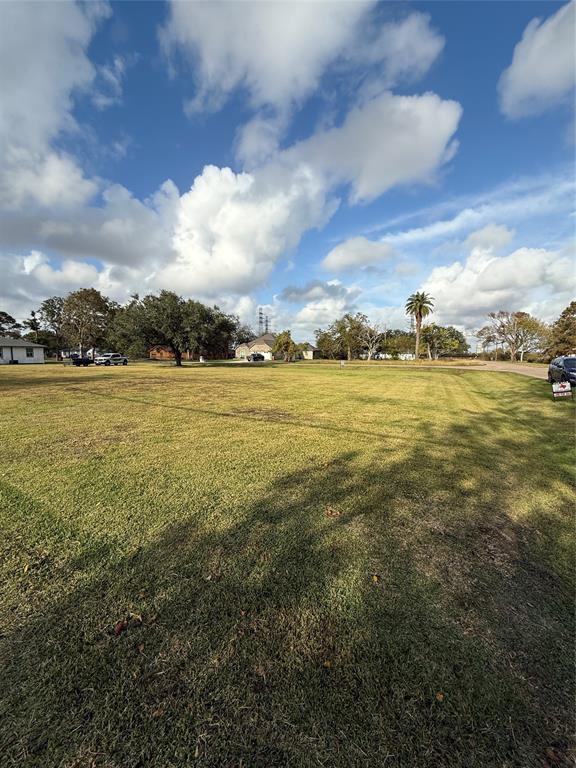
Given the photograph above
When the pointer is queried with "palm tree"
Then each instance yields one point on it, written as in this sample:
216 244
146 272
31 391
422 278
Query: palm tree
419 305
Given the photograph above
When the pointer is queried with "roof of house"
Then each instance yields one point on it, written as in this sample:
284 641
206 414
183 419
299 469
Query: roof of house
266 338
309 347
6 341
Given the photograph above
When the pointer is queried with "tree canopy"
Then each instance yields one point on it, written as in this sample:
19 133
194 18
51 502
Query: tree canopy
9 326
284 345
562 338
419 305
519 332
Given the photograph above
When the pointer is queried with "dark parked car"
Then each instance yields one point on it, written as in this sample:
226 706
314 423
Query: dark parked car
255 357
77 360
563 369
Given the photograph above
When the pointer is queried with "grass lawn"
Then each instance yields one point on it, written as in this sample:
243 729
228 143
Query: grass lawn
284 565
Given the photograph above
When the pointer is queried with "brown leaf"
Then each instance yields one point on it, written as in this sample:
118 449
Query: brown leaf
375 578
439 696
141 647
120 627
327 664
332 512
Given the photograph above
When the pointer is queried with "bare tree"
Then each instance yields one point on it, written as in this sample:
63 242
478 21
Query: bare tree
371 336
519 331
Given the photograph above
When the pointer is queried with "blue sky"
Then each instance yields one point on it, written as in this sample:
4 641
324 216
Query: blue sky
311 158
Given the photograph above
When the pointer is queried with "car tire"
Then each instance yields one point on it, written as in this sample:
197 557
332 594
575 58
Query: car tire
550 379
125 362
107 362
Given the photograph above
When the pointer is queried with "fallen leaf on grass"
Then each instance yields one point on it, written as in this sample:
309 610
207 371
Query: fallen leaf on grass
375 578
439 696
332 512
132 620
552 755
120 627
327 664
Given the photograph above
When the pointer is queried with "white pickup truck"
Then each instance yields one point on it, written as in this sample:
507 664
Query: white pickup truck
111 358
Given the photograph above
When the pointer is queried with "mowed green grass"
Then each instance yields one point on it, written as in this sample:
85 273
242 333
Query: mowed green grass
310 566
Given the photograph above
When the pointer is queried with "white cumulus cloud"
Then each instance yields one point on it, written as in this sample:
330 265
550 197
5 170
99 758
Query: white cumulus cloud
543 69
466 291
387 141
232 228
43 63
355 253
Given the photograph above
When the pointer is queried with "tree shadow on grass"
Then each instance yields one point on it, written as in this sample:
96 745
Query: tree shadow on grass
359 613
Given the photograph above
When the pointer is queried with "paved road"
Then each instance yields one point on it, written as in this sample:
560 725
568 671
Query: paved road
536 371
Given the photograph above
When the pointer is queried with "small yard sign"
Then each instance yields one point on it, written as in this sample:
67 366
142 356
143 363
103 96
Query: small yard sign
561 389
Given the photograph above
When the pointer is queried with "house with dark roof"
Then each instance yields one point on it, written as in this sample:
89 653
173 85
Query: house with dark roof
310 352
21 351
265 343
262 344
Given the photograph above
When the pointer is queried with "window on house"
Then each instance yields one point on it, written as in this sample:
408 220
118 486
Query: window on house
29 351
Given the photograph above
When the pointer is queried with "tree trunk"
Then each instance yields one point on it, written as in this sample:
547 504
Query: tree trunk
349 353
521 355
429 351
417 350
178 357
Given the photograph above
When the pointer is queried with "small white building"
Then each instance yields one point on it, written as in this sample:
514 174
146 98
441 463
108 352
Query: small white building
21 351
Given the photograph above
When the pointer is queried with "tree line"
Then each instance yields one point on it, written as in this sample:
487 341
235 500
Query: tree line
85 319
353 335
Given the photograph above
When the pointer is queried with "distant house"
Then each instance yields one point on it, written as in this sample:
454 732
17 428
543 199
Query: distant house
20 351
310 352
262 344
165 353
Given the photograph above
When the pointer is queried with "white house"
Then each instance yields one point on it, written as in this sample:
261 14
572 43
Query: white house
20 351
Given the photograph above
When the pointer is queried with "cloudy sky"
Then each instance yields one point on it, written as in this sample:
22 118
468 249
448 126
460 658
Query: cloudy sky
310 157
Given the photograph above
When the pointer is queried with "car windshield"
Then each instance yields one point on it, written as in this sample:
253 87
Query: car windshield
570 363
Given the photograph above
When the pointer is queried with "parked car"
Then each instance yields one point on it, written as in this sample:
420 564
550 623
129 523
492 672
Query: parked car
255 357
563 369
111 358
77 360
